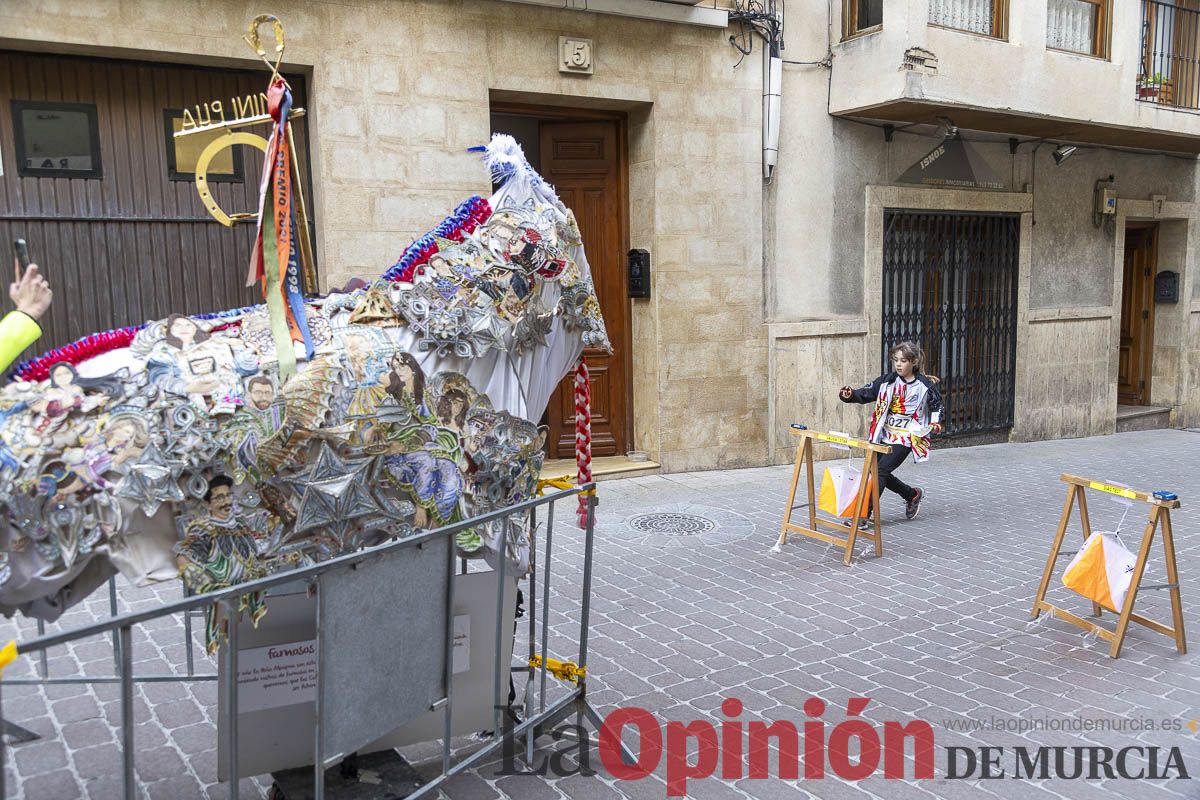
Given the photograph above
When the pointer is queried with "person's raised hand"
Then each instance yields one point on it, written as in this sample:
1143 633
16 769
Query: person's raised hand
846 393
30 292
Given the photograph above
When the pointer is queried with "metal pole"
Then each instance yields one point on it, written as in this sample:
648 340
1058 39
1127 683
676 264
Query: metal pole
128 781
112 610
2 753
319 706
43 666
587 579
230 659
529 693
448 720
546 606
187 635
502 554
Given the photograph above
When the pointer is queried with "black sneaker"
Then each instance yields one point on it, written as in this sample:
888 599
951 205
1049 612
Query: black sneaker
865 522
914 505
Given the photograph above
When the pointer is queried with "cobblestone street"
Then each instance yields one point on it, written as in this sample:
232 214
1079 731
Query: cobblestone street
938 629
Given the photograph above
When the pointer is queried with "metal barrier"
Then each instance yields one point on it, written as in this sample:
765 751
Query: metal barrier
546 714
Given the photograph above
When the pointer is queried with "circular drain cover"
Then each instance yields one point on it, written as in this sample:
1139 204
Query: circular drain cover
672 524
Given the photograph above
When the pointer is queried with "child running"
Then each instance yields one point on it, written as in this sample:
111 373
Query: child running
908 408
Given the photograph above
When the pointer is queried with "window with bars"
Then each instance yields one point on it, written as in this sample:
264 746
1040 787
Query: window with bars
1078 26
985 17
950 284
1169 72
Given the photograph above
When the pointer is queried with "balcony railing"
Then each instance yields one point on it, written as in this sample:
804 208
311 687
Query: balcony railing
1170 57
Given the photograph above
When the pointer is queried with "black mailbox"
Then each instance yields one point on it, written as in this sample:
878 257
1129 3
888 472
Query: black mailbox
639 273
1166 287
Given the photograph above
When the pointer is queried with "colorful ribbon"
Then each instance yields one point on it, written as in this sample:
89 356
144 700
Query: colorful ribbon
469 215
275 258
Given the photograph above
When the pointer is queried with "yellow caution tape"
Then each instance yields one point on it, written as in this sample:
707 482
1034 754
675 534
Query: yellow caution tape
1108 488
829 437
562 482
8 654
563 670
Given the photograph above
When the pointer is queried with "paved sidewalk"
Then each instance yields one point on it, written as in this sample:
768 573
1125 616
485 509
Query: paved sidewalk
694 608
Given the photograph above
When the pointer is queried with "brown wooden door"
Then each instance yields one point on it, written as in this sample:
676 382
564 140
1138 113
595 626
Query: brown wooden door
1137 317
133 242
584 162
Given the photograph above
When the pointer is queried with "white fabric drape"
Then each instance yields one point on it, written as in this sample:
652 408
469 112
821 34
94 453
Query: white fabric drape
1070 25
966 15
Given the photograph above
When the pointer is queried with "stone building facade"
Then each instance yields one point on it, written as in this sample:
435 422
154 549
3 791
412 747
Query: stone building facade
1018 90
764 298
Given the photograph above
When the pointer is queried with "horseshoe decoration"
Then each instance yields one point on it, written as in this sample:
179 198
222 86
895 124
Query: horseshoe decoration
229 139
255 42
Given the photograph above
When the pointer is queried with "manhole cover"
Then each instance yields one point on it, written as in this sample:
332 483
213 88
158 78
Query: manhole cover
672 524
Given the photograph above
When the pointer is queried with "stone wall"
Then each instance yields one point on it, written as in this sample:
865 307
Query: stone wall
1063 384
400 88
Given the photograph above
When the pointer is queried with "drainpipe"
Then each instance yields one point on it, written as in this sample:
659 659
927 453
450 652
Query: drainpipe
772 89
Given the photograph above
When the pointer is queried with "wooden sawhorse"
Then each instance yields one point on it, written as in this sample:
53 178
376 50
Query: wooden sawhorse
870 482
1160 516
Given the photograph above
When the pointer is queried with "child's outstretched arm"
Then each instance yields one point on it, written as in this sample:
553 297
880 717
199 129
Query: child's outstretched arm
866 394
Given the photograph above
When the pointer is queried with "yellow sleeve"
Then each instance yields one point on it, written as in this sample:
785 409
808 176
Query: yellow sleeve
17 331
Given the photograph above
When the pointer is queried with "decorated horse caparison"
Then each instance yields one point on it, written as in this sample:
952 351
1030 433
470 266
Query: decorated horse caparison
181 448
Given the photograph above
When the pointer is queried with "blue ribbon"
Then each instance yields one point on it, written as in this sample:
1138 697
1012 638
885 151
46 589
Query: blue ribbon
452 223
295 297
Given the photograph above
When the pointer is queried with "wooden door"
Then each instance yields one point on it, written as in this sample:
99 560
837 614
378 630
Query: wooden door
129 240
584 162
1137 317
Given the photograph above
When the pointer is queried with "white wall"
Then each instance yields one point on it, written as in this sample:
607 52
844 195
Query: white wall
1019 75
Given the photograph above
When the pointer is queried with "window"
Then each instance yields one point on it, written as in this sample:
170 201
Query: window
182 154
985 17
1169 72
862 16
1078 26
56 140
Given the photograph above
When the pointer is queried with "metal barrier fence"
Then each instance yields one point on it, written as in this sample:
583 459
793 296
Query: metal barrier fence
544 716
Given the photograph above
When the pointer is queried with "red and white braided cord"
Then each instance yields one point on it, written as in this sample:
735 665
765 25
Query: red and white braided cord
583 434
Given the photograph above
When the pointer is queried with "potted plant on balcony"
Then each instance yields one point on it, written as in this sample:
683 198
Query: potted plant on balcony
1154 88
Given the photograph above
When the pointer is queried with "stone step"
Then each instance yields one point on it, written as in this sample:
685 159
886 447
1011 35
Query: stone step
1142 418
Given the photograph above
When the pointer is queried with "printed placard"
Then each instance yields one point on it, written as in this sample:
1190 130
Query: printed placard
462 643
278 675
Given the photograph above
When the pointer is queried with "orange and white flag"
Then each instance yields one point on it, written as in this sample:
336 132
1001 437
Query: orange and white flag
1102 570
839 487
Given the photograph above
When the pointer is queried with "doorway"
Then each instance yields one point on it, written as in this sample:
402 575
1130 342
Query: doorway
1134 359
583 154
92 177
950 284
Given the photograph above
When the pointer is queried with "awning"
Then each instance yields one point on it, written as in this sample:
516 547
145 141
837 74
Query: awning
953 163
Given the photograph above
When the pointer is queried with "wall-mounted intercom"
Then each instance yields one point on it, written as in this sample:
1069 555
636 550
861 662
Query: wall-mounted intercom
639 273
1166 287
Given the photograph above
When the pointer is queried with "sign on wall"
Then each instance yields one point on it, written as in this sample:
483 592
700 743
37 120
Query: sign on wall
953 164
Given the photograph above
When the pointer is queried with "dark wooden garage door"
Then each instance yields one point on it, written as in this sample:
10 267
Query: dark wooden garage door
120 239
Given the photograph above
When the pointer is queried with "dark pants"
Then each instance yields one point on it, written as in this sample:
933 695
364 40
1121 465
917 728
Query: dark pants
888 464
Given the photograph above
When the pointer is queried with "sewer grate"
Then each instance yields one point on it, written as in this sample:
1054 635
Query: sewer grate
672 524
